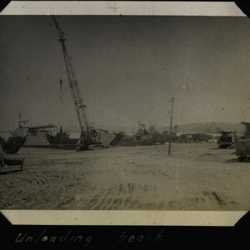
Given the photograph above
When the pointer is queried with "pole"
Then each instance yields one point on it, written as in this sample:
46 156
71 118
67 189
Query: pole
171 125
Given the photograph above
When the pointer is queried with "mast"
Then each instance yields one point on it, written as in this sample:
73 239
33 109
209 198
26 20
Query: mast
21 122
80 107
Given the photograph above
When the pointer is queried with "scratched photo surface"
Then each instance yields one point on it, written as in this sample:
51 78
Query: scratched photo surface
124 113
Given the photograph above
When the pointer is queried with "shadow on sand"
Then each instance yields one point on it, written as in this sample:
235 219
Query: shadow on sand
221 149
236 160
10 171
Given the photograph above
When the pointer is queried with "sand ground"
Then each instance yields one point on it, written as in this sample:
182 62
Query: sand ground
194 177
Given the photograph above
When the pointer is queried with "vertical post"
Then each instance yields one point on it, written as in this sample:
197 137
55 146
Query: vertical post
171 125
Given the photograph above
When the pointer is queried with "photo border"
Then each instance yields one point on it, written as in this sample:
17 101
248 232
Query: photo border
49 217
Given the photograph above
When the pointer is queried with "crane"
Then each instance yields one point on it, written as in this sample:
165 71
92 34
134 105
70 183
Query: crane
80 107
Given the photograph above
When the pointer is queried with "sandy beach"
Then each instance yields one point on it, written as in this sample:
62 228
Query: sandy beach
194 177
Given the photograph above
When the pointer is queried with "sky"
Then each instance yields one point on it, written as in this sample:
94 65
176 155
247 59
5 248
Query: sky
127 69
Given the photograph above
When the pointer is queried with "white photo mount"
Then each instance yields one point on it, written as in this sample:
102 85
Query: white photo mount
176 218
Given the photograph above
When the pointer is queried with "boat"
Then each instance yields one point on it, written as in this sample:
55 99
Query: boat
12 145
62 140
50 136
65 140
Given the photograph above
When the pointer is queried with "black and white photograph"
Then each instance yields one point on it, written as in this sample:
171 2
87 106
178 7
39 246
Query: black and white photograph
124 113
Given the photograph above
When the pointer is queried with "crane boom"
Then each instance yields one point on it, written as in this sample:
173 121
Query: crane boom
80 108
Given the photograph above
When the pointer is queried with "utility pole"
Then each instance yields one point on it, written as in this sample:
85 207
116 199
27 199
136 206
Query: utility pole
171 125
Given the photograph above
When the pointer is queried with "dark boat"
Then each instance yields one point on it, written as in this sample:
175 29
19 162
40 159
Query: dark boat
62 140
12 145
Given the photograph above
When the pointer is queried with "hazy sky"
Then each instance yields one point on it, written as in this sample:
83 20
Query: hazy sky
127 69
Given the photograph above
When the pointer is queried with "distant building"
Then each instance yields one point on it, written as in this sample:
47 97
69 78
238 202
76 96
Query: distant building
194 137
